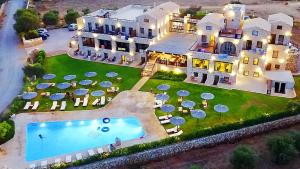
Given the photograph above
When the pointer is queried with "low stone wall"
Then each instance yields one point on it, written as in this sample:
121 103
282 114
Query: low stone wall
32 42
209 141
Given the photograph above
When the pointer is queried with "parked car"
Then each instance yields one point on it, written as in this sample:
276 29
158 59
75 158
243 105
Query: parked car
43 33
42 30
72 27
44 36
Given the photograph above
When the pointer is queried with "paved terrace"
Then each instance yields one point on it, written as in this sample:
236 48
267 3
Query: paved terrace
125 104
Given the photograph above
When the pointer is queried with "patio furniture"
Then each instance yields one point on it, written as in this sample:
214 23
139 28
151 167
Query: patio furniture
176 134
35 105
162 97
179 99
220 108
63 85
94 84
57 161
63 105
166 117
102 102
91 152
74 84
165 121
29 95
97 93
54 105
163 87
95 102
27 105
85 82
117 89
188 104
57 96
172 130
204 104
79 156
111 74
106 84
180 109
68 159
183 93
85 101
44 164
77 102
46 94
109 99
110 90
184 111
119 79
207 96
158 104
81 92
100 150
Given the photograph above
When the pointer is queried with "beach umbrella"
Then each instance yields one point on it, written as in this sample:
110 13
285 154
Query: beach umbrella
177 121
163 87
57 96
106 84
111 74
49 76
188 104
29 95
85 82
42 86
98 93
220 108
167 108
183 93
162 97
63 85
81 91
198 114
207 96
70 77
90 74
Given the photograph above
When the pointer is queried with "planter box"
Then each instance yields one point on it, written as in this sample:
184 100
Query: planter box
32 42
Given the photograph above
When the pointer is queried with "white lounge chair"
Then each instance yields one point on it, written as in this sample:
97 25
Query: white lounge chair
94 83
158 104
117 89
109 99
102 102
172 130
100 150
95 102
176 134
63 105
32 166
35 105
91 152
166 117
44 164
77 102
85 101
68 159
57 161
110 90
165 121
27 105
79 156
54 105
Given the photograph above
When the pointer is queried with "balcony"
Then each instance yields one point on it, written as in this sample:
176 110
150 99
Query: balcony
231 33
204 47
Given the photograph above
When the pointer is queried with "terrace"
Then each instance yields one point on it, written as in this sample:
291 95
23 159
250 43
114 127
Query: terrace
231 33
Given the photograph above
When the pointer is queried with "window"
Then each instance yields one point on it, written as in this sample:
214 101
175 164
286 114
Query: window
142 30
223 67
246 60
200 63
203 38
255 74
279 27
259 44
146 20
255 33
89 42
208 28
277 67
140 46
123 29
246 73
122 46
196 74
97 26
275 54
106 44
255 61
113 28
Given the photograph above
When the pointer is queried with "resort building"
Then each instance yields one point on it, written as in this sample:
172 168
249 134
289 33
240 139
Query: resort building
225 50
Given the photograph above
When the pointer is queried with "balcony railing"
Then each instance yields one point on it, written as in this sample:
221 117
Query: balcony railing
231 33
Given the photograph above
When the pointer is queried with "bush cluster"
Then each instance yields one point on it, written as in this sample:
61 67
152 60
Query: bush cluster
71 16
164 75
7 131
26 20
51 17
243 157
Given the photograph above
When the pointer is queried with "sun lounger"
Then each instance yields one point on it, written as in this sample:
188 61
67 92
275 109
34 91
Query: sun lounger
166 117
180 109
204 103
185 111
79 156
35 105
96 101
109 99
63 105
57 161
100 150
44 164
68 159
94 84
52 84
77 102
176 134
32 166
110 90
54 105
165 121
179 100
85 101
158 103
91 152
47 94
172 130
102 102
27 105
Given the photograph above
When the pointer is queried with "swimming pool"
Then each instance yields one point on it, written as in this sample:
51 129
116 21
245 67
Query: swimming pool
44 140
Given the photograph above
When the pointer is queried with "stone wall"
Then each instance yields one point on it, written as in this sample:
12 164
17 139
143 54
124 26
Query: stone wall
209 141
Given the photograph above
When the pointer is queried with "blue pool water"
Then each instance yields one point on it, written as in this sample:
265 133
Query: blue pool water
66 137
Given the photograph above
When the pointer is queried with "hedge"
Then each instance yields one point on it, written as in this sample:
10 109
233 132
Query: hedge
165 75
11 132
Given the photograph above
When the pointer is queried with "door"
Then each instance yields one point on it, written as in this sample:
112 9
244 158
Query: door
216 80
268 67
228 48
277 85
150 33
106 28
248 44
204 78
89 53
282 88
273 37
123 58
90 27
280 39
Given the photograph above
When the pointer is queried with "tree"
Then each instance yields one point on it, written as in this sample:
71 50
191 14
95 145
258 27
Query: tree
86 11
4 130
243 157
51 17
282 149
31 34
26 20
36 69
71 16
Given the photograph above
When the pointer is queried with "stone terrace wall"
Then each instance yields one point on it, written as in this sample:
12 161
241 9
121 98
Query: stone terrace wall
209 141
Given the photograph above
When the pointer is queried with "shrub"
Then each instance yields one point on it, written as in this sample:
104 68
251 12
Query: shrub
51 17
164 75
7 131
26 20
243 157
282 149
41 57
296 137
71 16
194 166
35 69
31 34
86 11
17 105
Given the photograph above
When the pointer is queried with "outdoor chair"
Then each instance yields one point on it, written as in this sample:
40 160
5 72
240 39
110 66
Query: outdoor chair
166 117
63 105
46 94
94 84
184 111
27 105
172 130
109 99
117 89
165 121
110 90
204 104
77 102
85 101
54 105
176 134
96 101
180 109
102 102
179 100
35 105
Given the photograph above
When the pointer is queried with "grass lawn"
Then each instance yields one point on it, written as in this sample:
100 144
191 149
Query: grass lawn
62 65
242 105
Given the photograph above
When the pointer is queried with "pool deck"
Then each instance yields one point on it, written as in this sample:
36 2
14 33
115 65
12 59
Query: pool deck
125 104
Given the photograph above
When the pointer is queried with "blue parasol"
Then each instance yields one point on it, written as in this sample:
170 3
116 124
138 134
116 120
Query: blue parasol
162 97
57 96
106 84
207 96
29 95
63 85
42 86
85 82
111 74
81 92
177 120
90 74
70 77
198 113
163 87
49 76
220 108
98 93
167 108
188 104
183 93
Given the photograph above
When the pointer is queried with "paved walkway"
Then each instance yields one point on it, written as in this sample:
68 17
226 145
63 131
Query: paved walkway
125 104
140 84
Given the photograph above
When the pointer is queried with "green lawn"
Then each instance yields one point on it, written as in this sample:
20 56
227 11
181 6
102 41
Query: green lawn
242 105
62 65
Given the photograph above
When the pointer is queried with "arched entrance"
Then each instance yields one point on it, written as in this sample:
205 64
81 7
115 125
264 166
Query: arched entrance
228 48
